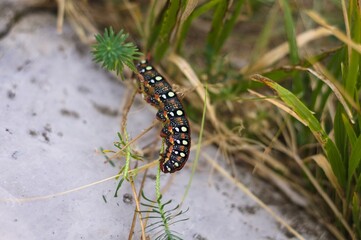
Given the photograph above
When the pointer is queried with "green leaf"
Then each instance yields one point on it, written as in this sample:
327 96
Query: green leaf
349 130
356 211
340 132
355 157
228 25
168 24
217 25
290 31
205 7
118 187
313 124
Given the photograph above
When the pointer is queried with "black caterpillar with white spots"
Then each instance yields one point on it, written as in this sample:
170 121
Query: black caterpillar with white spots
176 131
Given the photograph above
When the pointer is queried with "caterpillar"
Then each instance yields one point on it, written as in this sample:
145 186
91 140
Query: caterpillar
176 130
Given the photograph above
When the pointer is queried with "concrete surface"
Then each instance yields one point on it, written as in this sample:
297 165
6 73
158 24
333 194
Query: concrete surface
52 98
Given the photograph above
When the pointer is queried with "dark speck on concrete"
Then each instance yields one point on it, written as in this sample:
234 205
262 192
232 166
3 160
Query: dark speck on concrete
15 155
83 89
8 130
151 176
82 48
127 198
21 67
248 209
287 233
61 48
47 127
69 113
45 136
105 110
11 94
197 236
33 133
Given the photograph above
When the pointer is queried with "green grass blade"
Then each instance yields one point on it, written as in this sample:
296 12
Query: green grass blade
299 83
354 65
155 27
228 25
356 213
349 130
205 7
217 25
358 184
195 163
355 157
168 24
313 124
341 140
265 36
290 31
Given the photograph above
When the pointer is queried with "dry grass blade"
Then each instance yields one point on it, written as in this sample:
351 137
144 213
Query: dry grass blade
334 85
191 5
347 27
60 17
221 130
84 28
264 157
279 105
131 231
135 13
326 167
120 152
244 189
321 69
335 31
128 104
137 206
291 190
196 83
323 194
30 199
283 49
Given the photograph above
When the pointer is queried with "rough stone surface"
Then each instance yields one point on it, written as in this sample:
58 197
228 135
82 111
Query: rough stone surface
57 107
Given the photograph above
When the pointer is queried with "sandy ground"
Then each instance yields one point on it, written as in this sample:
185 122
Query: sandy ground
57 108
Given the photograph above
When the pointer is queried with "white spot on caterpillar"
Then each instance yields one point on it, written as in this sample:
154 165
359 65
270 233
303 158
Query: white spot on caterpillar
179 112
168 168
182 154
178 141
158 78
176 152
143 61
176 129
184 129
151 81
148 68
164 96
176 164
171 94
185 142
171 113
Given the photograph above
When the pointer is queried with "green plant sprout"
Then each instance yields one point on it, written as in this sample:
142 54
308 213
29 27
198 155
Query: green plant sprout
113 52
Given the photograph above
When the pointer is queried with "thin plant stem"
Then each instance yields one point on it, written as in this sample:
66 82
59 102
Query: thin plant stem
137 205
